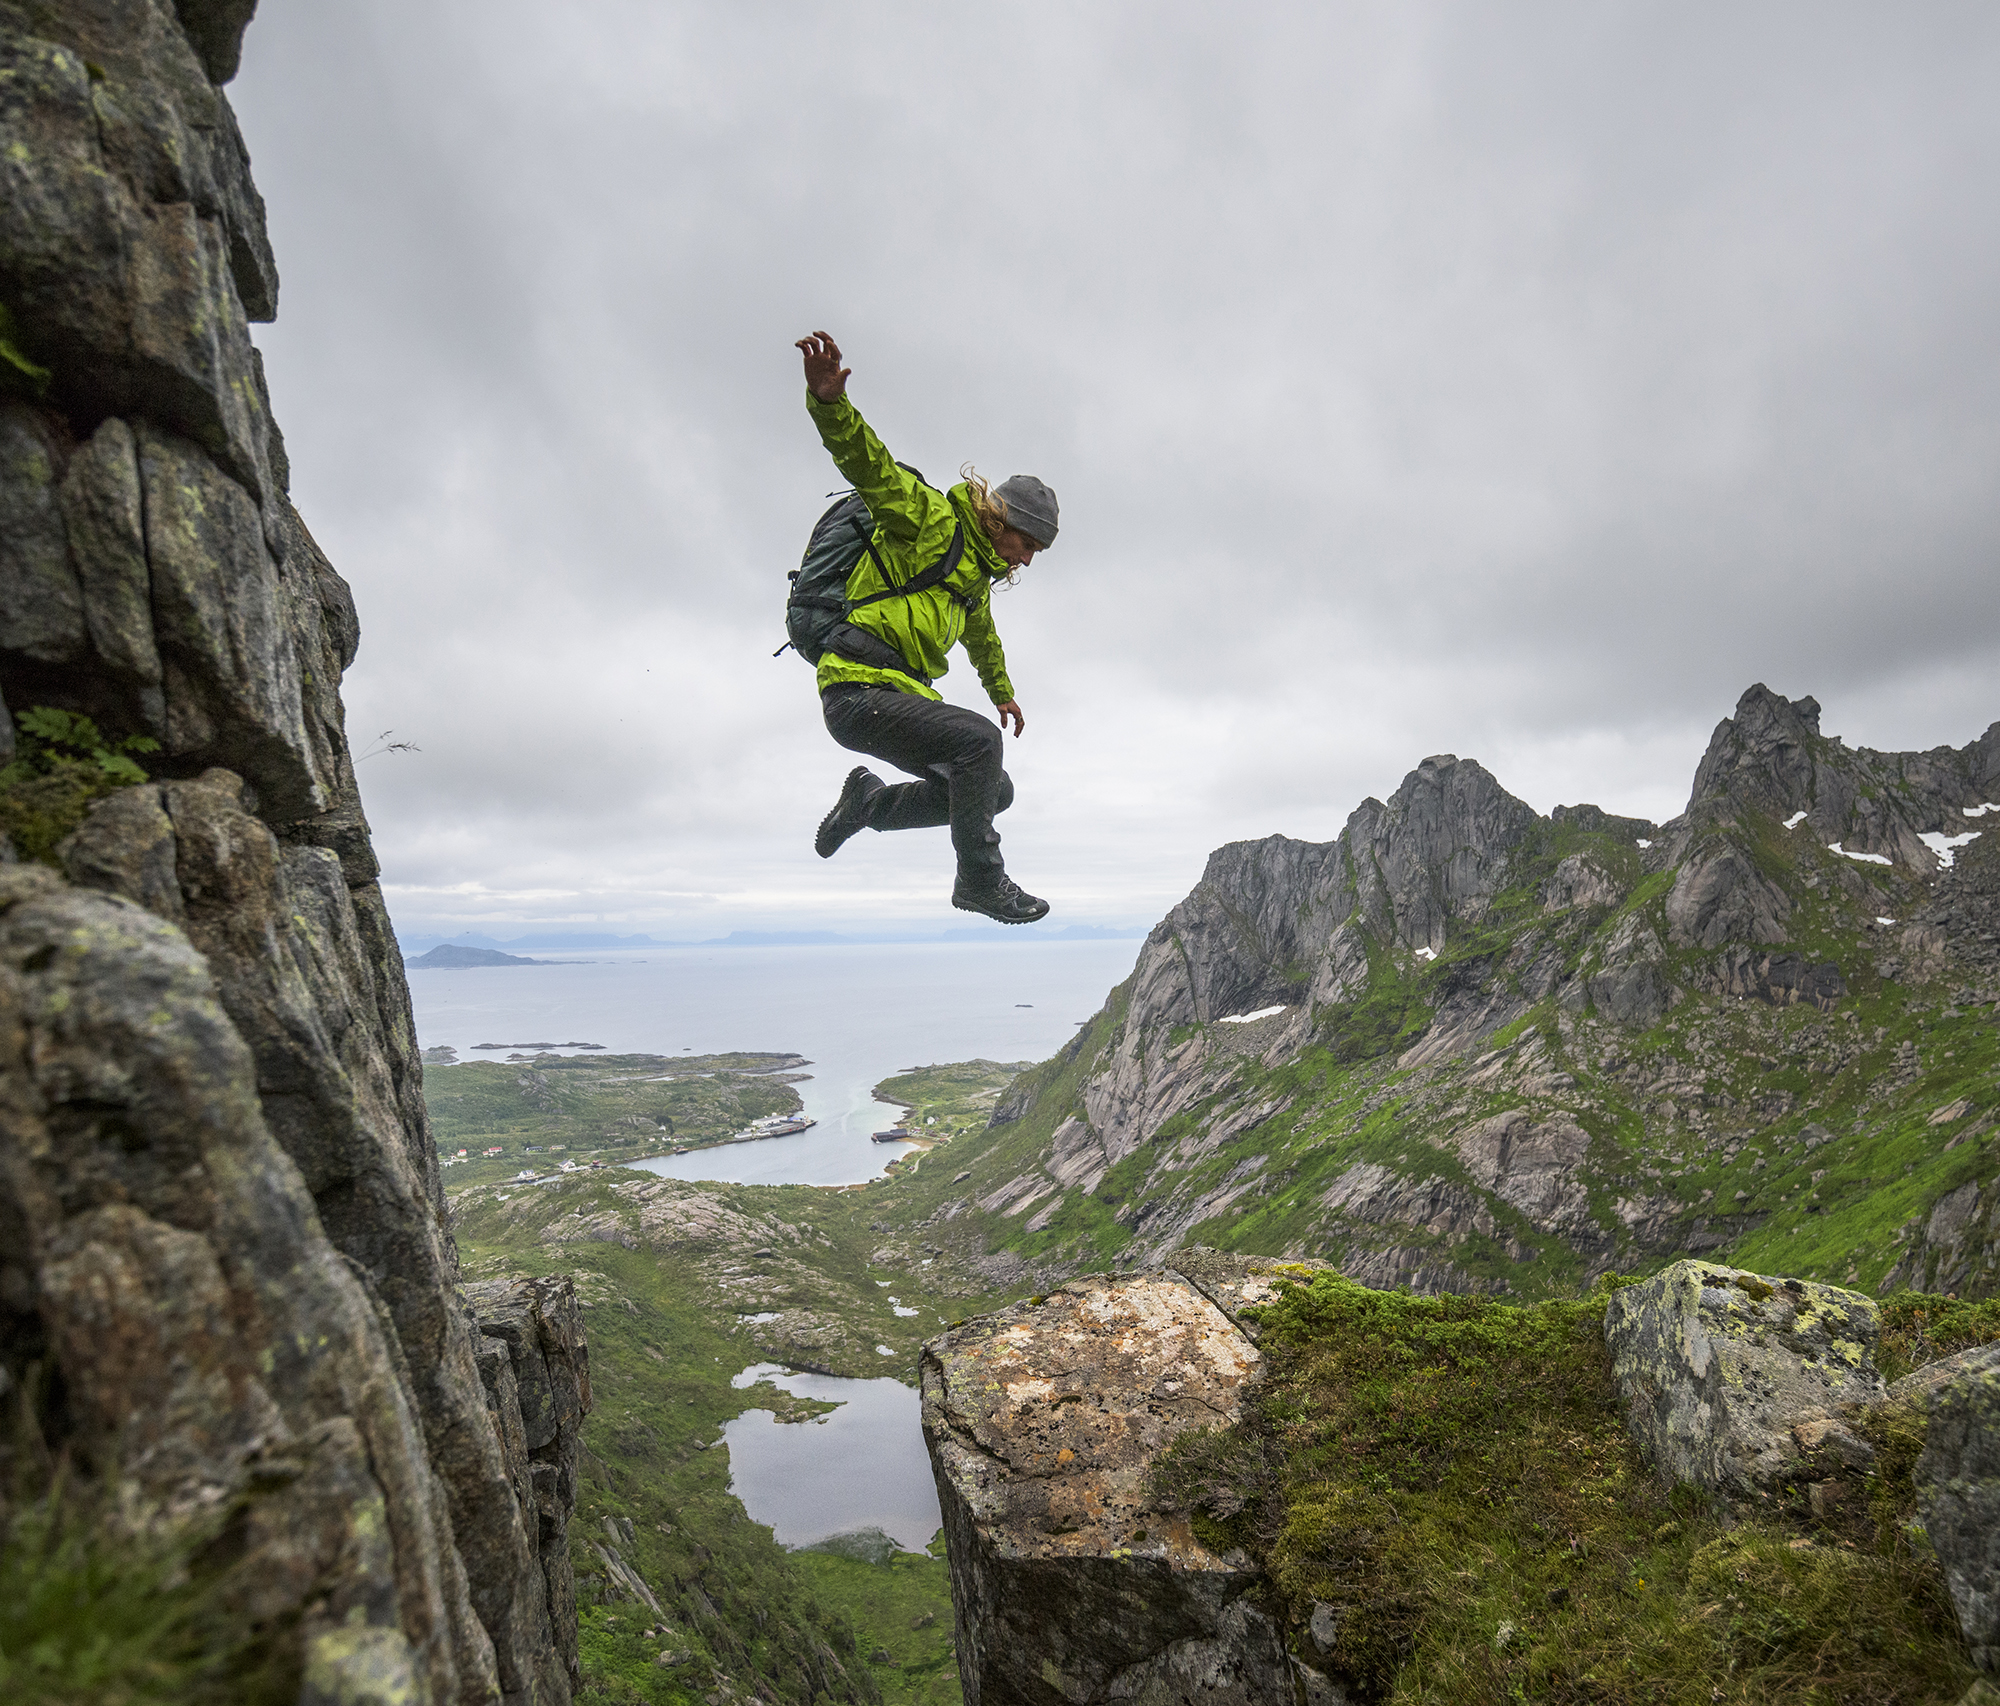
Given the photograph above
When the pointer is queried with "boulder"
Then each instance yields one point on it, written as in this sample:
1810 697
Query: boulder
1717 1368
1044 1422
1958 1498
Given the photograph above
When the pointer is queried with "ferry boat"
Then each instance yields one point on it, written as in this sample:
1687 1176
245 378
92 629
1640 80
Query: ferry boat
895 1134
777 1125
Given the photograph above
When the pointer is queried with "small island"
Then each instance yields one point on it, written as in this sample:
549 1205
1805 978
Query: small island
450 957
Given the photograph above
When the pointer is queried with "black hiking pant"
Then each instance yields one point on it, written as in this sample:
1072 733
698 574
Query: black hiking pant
953 753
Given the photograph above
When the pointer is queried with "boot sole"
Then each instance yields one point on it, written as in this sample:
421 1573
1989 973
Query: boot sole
822 845
1032 918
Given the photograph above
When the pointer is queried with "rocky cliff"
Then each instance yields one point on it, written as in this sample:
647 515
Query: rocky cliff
1464 1046
232 1310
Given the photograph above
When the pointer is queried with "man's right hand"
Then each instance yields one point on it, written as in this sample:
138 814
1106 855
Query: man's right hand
826 379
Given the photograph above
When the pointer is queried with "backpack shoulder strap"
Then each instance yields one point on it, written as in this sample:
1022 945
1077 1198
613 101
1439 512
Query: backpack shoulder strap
935 575
881 568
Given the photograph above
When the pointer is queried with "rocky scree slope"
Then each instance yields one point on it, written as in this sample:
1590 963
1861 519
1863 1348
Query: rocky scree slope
1465 1047
231 1325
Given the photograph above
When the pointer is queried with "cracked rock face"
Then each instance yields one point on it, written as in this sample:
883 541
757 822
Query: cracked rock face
1719 1368
213 1148
216 1351
1958 1498
1043 1423
535 1366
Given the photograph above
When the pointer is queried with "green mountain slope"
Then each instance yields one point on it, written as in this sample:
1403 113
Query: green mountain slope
1489 1051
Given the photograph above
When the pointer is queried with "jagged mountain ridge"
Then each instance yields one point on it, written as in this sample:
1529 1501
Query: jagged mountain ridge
1513 1051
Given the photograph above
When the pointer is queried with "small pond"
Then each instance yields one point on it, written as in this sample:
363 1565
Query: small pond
860 1466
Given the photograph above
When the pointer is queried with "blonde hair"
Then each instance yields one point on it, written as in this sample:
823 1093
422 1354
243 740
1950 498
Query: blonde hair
990 508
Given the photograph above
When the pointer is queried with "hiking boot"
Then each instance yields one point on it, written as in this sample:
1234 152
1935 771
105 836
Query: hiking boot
999 897
845 820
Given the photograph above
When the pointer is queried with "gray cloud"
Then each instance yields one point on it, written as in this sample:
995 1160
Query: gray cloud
1518 382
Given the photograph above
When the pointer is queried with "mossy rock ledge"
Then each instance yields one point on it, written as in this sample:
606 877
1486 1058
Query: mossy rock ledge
1744 1385
1077 1574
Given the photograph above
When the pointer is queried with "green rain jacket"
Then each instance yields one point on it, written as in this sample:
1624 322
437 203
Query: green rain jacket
913 526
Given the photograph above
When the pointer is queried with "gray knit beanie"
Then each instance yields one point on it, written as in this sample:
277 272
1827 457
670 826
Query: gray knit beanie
1031 507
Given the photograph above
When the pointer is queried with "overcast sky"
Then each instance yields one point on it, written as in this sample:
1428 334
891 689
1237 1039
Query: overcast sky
1516 381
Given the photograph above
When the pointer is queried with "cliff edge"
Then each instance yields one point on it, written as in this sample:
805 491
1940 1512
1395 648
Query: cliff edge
232 1332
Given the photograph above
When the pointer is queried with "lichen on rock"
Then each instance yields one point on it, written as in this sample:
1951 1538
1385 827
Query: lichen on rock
1044 1423
1718 1367
1958 1498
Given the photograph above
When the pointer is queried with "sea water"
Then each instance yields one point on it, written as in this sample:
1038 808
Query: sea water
859 1013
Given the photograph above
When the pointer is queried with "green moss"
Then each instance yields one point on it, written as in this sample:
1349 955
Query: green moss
1812 1622
1453 1478
84 1619
38 812
63 763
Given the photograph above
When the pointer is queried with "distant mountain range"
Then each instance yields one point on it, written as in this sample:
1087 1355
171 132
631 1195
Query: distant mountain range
570 941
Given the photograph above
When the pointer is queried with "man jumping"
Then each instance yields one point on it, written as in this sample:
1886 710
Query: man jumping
875 676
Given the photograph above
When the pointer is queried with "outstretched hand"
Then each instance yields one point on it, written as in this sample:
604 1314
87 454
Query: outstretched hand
826 379
1010 709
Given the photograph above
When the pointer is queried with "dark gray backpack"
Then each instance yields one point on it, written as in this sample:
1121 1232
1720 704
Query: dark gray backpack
817 608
